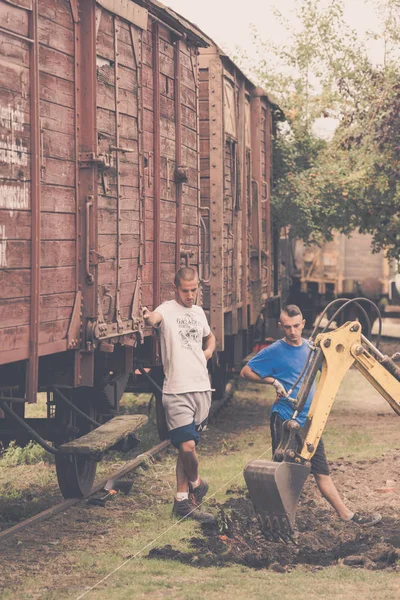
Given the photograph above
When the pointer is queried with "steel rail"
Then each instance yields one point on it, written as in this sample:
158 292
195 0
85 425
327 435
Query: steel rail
54 510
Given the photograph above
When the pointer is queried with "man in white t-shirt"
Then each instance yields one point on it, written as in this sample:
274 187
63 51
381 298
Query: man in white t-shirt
186 345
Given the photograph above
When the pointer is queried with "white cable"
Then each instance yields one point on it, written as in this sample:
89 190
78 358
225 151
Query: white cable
164 532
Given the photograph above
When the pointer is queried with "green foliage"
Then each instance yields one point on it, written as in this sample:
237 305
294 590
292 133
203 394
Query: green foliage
28 455
349 182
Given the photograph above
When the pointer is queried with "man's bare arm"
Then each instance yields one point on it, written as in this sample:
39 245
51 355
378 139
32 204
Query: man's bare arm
248 373
209 345
151 318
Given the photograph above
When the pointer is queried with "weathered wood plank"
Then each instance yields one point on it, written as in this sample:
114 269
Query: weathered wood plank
52 331
188 97
129 270
56 253
188 80
58 145
13 49
168 232
15 284
168 252
14 77
147 54
57 118
14 337
56 90
189 118
14 312
190 214
129 247
102 439
56 307
56 198
61 172
56 36
17 224
14 195
127 79
167 86
167 108
15 19
55 280
167 66
190 234
56 63
147 76
58 11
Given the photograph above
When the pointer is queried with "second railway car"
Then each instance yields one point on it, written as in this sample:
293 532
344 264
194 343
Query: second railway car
343 267
105 116
236 132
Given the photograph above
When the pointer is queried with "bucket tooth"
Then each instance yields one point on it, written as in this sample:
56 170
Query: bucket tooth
274 491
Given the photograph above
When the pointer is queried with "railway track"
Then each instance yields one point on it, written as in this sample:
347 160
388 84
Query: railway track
124 470
62 506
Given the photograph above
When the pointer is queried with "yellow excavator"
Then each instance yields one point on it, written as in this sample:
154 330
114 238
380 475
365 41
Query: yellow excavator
275 486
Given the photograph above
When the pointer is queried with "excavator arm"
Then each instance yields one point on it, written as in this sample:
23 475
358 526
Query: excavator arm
275 486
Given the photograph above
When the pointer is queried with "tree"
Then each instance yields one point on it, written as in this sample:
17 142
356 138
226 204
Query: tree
350 181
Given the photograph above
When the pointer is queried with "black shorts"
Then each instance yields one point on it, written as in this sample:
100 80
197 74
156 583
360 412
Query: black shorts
319 464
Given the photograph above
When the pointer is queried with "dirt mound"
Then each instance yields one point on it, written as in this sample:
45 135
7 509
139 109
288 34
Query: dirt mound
322 539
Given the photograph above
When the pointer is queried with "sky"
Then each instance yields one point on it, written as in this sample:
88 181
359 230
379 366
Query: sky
229 23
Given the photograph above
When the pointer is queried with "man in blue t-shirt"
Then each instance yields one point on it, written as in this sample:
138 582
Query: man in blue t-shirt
280 365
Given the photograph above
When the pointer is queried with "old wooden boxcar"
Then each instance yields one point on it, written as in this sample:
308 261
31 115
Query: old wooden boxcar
236 124
105 115
99 201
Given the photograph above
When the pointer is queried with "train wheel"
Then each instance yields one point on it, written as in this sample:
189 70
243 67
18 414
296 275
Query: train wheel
75 474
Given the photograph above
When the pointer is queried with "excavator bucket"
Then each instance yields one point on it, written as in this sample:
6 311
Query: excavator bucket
274 489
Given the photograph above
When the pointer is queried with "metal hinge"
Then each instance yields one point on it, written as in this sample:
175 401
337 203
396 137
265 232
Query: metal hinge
87 159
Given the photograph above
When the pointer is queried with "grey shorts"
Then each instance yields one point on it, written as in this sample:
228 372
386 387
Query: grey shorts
186 414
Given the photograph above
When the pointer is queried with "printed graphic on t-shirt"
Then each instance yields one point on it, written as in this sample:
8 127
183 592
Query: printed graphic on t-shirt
190 331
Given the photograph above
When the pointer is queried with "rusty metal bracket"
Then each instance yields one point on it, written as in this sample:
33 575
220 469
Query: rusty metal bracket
95 257
181 174
136 316
74 10
88 159
74 328
187 255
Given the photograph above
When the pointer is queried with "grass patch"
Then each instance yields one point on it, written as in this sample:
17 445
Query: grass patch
30 454
144 522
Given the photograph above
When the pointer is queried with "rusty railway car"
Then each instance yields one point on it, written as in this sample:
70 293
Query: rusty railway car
129 146
343 267
99 197
236 132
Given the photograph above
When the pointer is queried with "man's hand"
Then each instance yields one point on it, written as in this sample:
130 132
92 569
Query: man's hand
280 390
151 318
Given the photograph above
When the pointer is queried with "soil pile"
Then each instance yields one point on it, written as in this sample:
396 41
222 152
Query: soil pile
322 538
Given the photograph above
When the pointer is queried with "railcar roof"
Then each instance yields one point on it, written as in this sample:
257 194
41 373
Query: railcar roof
176 21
